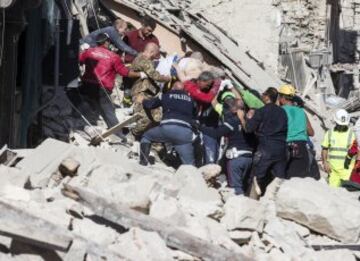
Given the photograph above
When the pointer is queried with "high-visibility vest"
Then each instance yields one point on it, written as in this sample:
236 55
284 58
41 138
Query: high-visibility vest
338 146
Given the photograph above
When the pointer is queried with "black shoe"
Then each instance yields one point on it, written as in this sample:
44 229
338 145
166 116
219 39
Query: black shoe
144 153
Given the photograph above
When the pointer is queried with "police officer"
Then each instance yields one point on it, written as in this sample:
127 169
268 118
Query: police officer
176 126
335 146
240 145
270 125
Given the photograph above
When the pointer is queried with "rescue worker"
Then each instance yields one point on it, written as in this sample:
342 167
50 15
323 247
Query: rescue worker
101 67
240 145
299 130
270 125
203 90
115 33
335 146
354 152
176 126
138 39
146 88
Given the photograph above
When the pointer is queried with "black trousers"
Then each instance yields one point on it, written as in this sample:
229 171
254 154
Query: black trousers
267 166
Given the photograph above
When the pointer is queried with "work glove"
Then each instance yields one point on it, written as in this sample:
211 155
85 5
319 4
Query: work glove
143 75
347 162
225 84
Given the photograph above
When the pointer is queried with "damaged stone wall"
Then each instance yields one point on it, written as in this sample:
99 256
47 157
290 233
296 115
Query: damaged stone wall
302 23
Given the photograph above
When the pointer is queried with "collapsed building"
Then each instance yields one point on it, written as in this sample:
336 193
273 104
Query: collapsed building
312 44
57 204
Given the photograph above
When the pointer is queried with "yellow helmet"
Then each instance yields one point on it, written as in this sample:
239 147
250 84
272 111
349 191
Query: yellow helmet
287 89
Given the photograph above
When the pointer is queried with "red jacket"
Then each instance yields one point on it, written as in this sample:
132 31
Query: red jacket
134 40
198 95
101 67
355 174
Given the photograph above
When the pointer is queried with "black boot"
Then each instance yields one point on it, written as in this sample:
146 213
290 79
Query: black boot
144 153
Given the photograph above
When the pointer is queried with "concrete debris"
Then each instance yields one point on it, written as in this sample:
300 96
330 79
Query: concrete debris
127 212
69 167
335 255
319 207
250 216
141 245
195 196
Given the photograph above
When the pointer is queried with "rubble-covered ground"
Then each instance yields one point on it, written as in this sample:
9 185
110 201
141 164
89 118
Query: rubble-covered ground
67 202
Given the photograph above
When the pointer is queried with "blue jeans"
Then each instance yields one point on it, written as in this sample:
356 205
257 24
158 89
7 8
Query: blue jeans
237 170
211 148
178 136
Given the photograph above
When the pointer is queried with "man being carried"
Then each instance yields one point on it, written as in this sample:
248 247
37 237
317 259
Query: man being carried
101 67
115 33
146 88
175 127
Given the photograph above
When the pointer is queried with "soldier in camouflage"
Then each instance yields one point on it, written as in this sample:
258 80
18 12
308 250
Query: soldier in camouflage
146 88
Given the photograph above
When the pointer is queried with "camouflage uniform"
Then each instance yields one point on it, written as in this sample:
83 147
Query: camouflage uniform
145 89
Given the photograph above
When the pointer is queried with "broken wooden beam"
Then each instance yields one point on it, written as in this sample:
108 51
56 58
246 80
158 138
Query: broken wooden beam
97 139
174 237
22 226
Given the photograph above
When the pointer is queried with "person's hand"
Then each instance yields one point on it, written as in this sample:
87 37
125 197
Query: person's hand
347 162
143 75
327 167
250 114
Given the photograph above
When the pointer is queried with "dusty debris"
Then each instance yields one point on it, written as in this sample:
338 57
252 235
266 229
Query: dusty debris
318 207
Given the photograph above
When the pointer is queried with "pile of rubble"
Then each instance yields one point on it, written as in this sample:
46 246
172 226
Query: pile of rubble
63 202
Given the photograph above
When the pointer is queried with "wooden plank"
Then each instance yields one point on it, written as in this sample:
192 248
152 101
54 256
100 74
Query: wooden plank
25 227
175 238
97 139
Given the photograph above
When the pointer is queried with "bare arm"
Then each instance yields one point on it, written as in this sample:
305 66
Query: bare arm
241 116
324 157
180 74
310 130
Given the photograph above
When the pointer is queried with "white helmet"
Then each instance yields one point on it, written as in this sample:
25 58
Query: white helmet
342 117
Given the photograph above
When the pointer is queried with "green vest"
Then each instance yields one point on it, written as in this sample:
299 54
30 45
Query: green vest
297 125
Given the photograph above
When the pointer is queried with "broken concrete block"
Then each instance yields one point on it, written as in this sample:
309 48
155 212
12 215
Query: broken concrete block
69 167
10 192
210 171
13 176
210 230
301 230
168 210
195 197
243 213
44 161
116 184
328 211
285 237
240 236
141 245
98 233
335 255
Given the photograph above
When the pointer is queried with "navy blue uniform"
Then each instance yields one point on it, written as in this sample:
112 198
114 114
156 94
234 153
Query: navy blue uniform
239 165
270 125
175 128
